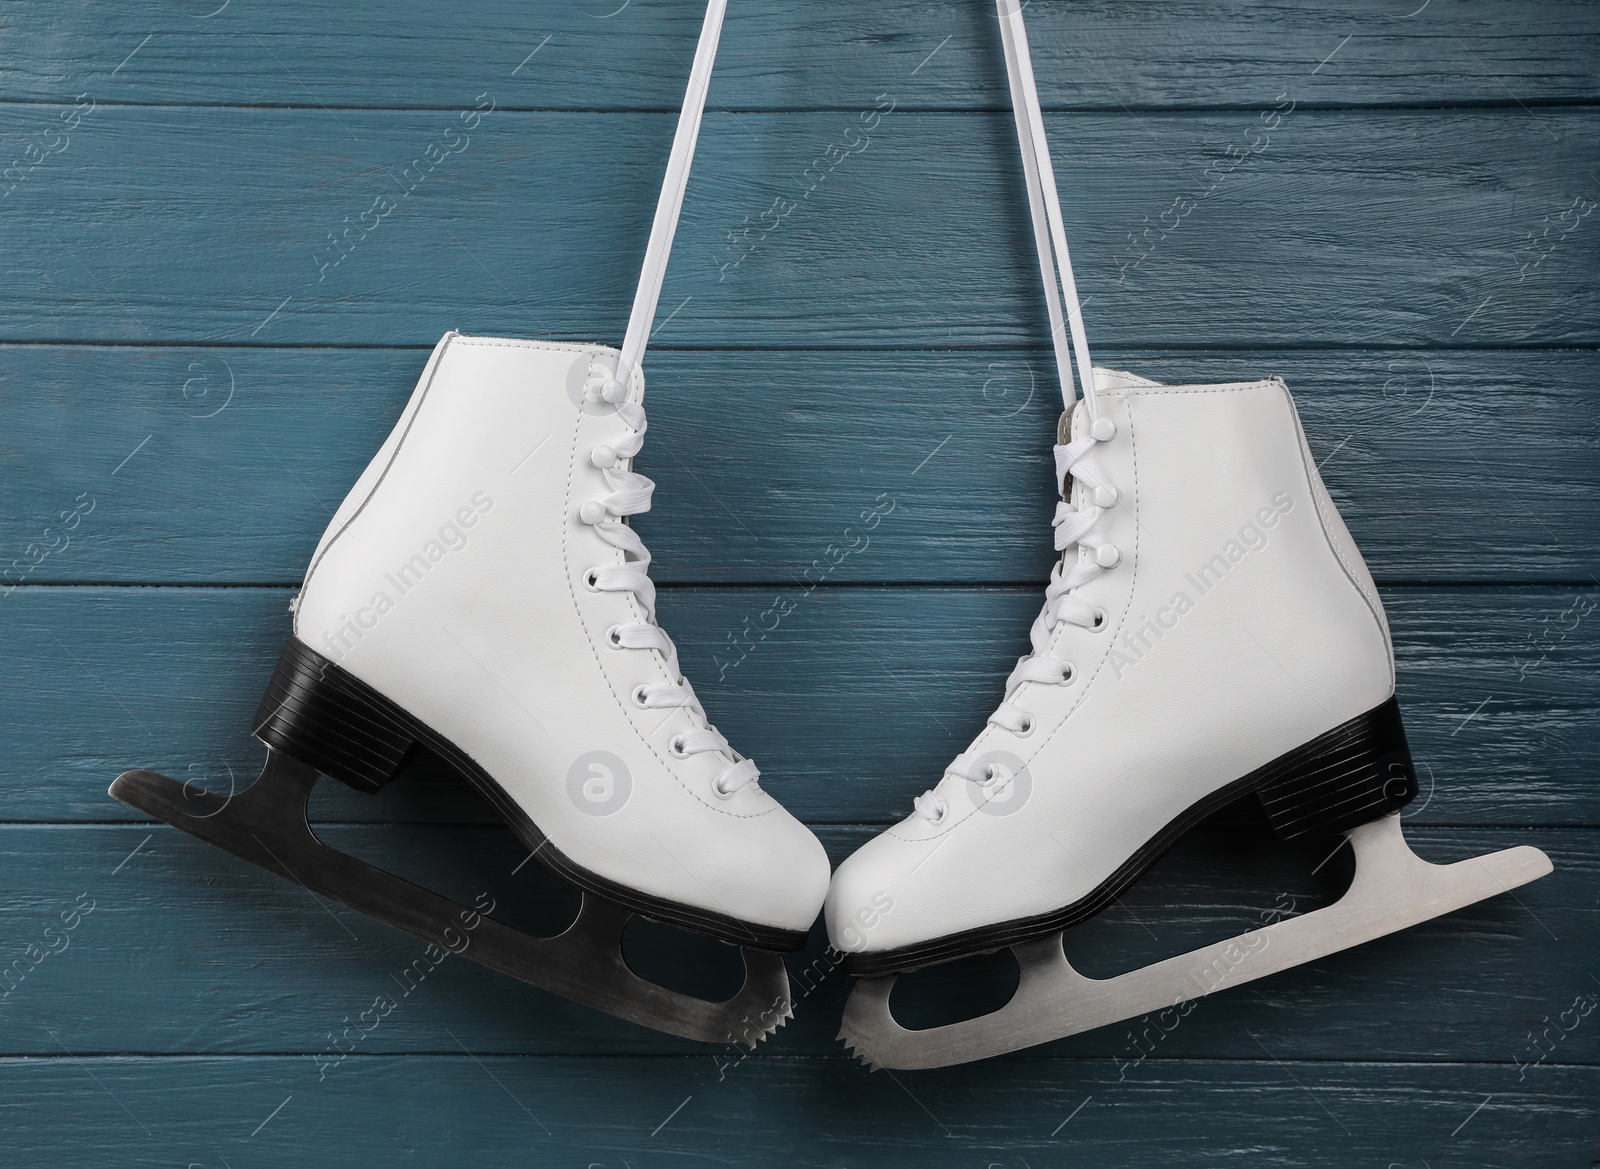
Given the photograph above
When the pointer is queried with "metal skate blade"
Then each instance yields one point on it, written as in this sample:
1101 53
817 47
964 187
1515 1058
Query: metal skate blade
1392 890
266 825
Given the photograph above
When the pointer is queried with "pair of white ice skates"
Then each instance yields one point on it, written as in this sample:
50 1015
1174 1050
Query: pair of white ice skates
1210 632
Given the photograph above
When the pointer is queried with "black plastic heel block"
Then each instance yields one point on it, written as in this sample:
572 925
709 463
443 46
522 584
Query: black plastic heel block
326 718
1354 773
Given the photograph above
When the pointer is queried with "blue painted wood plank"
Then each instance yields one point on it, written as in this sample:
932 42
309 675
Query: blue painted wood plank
160 224
1344 242
241 454
458 1109
852 705
229 960
1102 55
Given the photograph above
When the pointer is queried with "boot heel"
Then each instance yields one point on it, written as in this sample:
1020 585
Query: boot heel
326 718
1354 773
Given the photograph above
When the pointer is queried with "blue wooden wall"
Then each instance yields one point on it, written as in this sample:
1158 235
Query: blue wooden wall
184 365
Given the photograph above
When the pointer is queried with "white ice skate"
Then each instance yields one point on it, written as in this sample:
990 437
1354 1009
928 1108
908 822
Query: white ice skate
1210 632
480 593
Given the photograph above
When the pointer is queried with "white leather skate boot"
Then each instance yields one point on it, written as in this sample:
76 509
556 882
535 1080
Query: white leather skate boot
1210 632
480 593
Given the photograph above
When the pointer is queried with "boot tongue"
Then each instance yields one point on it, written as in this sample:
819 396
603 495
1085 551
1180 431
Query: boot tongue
1064 479
1063 437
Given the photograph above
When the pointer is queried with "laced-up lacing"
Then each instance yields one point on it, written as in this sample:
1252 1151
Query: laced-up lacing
1073 526
630 495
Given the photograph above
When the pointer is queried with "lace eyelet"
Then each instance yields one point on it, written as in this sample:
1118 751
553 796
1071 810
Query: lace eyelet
614 637
716 790
591 580
1026 729
1068 674
938 819
1101 621
991 776
676 747
641 695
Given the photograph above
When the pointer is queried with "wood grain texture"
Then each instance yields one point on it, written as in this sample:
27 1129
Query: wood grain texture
1496 454
222 958
459 1109
1410 244
852 705
1099 55
920 238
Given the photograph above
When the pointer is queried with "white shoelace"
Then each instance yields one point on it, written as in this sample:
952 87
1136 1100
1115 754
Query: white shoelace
1074 527
673 185
630 491
630 495
1044 205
